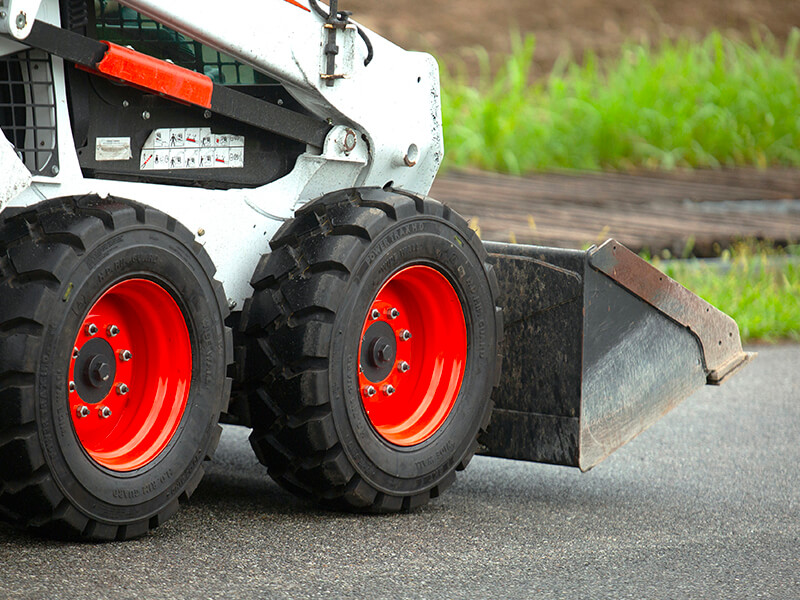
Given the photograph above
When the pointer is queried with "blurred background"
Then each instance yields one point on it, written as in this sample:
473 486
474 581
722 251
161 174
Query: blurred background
671 125
566 27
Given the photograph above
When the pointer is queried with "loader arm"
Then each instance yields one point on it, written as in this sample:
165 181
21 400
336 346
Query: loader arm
127 66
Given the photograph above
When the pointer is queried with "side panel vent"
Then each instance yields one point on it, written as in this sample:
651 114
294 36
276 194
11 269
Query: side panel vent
27 109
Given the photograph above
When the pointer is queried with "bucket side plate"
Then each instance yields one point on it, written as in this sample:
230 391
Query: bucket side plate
637 366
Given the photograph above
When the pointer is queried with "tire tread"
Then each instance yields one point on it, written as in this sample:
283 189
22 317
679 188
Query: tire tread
300 279
34 243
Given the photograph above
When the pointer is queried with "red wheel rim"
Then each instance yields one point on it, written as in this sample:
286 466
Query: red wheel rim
409 386
130 373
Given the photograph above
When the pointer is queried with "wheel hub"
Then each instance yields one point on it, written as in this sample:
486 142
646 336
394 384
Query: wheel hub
94 370
382 352
378 349
410 382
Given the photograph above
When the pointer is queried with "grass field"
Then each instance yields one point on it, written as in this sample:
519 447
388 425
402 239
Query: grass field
715 103
757 285
718 102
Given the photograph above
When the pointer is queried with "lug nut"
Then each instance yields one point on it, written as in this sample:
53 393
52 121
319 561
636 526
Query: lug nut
104 412
125 355
403 367
122 389
112 331
405 335
393 313
71 386
369 391
388 389
75 352
82 411
91 329
374 314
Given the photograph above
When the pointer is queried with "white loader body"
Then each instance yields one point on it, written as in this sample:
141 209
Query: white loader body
386 118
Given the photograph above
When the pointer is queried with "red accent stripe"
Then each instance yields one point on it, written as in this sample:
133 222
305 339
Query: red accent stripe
298 5
156 75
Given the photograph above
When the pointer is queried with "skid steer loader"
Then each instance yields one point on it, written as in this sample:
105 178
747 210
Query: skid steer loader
217 213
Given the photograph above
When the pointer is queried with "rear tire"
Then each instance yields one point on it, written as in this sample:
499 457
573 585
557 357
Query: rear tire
316 426
82 281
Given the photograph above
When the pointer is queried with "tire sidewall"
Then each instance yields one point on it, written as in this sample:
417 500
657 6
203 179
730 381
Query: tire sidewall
388 467
137 252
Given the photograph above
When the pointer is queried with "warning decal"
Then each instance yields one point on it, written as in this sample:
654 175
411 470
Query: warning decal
191 148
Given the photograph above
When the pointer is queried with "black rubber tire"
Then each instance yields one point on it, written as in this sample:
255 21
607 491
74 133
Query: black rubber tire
56 259
312 293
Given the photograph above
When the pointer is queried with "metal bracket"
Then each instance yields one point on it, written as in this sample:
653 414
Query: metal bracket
18 16
336 21
337 41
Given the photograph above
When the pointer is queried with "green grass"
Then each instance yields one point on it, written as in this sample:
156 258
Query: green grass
757 285
715 103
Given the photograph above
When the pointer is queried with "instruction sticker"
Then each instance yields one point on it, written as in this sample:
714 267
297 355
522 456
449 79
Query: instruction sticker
112 148
191 148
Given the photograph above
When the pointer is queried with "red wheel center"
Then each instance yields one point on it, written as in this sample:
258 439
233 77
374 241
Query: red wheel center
130 373
412 353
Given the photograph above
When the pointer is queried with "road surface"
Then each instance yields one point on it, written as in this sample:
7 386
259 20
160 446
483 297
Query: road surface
706 504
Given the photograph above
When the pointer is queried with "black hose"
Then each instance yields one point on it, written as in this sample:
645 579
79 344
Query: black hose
370 53
318 9
329 19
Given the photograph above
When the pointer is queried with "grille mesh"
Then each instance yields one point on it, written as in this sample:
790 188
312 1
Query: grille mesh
27 109
125 26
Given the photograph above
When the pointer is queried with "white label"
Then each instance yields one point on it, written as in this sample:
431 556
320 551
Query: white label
112 148
191 148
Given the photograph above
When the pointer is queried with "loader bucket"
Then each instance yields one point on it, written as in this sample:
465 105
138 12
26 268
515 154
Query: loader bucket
598 346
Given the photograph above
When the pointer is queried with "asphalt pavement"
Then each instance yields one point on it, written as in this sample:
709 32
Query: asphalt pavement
706 504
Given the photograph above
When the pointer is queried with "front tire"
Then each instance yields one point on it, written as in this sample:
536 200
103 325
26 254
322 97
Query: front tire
362 407
113 357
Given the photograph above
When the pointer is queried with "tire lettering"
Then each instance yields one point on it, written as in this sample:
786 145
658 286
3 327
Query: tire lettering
44 401
153 486
446 449
393 237
434 475
181 481
102 251
126 494
125 264
207 341
350 369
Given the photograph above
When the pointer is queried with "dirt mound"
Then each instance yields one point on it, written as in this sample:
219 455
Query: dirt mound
446 28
